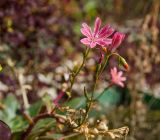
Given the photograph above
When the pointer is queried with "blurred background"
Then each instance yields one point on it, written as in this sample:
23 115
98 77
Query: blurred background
40 43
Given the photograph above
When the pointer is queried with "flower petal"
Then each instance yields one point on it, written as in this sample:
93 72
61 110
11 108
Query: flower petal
85 32
115 69
120 73
108 41
85 41
117 77
87 28
93 44
106 31
103 30
121 84
103 42
123 78
100 42
109 32
97 26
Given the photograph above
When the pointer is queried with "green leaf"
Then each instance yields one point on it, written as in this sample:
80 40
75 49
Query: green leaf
9 114
110 97
35 108
18 124
11 106
41 128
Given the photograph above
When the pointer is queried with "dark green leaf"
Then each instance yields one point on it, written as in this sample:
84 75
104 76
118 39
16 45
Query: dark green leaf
35 108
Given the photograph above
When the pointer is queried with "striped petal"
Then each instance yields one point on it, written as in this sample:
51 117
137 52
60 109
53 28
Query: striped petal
86 32
97 25
85 41
101 42
106 31
87 28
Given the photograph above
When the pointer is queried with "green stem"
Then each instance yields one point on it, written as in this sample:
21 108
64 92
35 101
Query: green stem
88 106
102 69
86 94
79 69
99 71
106 61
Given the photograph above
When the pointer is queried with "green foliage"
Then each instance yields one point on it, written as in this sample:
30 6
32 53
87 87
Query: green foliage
17 122
41 128
110 97
35 108
9 114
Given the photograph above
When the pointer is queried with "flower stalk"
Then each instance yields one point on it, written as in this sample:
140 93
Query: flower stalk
76 72
99 70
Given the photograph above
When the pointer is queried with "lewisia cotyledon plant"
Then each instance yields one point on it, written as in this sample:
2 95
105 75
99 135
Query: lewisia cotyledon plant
117 77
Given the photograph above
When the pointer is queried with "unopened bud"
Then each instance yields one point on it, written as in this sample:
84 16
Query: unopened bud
126 66
123 62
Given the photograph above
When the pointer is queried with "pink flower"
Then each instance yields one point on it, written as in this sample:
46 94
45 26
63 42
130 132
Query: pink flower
117 40
98 35
117 77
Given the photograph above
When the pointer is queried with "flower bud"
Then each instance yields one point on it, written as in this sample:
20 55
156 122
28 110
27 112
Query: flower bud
123 62
117 40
